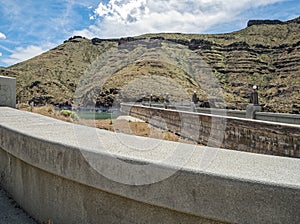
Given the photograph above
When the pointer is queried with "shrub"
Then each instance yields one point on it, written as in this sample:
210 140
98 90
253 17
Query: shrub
69 114
74 117
66 113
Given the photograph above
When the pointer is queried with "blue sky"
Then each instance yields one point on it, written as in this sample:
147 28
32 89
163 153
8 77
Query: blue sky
30 27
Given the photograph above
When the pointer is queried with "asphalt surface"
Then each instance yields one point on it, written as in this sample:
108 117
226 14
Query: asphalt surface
10 211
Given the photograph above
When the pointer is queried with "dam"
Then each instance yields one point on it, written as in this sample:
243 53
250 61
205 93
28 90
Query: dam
60 172
69 173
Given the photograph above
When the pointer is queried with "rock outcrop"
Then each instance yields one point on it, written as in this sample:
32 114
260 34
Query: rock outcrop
263 22
266 53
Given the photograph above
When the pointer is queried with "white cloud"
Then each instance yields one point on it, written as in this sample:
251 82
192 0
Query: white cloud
0 54
85 33
132 17
2 36
24 53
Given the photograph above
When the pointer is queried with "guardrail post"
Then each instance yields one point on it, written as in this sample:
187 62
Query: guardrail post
251 110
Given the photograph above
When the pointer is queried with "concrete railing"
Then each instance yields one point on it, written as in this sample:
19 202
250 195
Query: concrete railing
264 116
7 91
281 118
68 173
230 113
223 131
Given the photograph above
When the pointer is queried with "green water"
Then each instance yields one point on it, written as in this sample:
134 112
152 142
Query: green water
96 116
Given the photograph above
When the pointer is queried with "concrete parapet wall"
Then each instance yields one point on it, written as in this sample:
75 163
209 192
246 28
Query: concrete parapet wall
7 91
230 113
264 116
225 132
74 174
275 117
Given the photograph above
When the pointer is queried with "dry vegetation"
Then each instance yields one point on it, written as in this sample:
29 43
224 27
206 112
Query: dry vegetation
116 125
264 55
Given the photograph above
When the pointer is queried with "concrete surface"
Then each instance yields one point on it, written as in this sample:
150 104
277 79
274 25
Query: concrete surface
264 116
130 118
278 117
251 111
224 132
75 174
7 91
10 212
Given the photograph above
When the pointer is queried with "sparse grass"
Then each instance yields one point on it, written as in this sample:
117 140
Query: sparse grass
164 78
116 125
271 59
47 111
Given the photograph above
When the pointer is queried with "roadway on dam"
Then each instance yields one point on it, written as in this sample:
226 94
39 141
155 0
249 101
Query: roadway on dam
10 211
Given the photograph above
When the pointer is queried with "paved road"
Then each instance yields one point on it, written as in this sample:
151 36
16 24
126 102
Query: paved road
10 212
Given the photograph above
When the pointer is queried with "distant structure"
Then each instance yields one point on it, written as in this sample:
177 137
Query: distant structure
7 91
150 100
253 107
254 96
195 98
166 100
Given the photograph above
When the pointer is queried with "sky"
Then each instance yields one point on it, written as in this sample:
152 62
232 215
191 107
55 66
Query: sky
30 27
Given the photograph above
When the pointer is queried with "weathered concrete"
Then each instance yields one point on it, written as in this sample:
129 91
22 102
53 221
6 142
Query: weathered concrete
225 132
7 91
251 111
76 174
264 116
223 112
281 118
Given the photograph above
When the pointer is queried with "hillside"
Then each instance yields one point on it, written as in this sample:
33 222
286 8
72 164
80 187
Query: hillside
266 53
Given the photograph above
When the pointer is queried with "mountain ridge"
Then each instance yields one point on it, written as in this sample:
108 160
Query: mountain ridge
262 54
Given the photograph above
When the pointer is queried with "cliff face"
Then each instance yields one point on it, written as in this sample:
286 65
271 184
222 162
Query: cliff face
266 53
263 22
275 69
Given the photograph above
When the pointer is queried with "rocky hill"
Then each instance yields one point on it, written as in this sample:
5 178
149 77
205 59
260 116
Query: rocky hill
266 54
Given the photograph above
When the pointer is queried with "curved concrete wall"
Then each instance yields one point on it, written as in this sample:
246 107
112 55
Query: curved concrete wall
226 132
74 174
264 116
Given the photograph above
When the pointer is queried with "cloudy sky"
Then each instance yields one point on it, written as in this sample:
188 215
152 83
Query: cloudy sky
30 27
